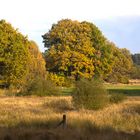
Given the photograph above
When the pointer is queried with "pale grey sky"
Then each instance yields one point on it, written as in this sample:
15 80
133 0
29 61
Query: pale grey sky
35 17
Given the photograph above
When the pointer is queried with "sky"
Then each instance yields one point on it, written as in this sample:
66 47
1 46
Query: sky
119 20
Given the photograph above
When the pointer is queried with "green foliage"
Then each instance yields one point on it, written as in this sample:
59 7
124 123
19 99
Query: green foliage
115 77
117 97
135 74
14 55
40 87
122 66
90 94
103 57
136 58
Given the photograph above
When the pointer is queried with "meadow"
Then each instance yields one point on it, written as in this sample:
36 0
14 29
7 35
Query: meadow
37 118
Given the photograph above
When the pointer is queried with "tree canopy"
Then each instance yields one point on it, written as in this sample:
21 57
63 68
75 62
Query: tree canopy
70 49
77 49
14 54
122 66
37 62
136 58
103 57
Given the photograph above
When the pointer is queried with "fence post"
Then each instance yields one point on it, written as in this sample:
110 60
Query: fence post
63 122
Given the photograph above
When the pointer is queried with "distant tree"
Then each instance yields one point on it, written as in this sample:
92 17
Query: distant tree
37 62
14 55
135 72
136 68
122 66
136 58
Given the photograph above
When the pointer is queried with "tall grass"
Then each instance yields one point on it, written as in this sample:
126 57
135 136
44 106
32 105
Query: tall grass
37 118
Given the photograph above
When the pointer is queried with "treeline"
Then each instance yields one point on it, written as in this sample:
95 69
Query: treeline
75 50
136 69
136 58
20 59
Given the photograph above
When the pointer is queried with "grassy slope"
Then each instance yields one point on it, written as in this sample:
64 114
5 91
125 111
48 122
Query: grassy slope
35 118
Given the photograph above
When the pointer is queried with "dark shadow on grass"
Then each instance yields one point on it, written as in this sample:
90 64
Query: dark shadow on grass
85 131
128 92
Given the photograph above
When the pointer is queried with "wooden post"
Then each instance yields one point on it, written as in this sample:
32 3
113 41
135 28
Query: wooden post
63 122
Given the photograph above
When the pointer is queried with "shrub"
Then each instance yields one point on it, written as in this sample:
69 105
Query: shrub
40 87
117 97
90 94
60 80
124 80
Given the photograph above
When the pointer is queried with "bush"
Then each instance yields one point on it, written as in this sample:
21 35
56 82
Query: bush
60 80
124 80
117 97
90 94
118 79
40 87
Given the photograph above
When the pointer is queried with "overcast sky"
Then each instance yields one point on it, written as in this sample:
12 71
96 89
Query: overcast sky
119 20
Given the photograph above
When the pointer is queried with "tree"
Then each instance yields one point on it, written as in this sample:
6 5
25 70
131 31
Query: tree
103 61
36 63
122 66
136 58
69 49
14 55
135 74
136 68
80 49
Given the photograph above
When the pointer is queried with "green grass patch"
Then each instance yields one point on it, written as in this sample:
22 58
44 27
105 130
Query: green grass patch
67 91
129 90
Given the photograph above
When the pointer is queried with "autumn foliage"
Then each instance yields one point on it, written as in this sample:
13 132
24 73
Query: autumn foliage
75 50
79 49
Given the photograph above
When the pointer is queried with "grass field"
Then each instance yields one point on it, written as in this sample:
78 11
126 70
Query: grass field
36 118
130 90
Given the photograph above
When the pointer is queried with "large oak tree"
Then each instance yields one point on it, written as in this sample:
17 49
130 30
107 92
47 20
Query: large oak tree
70 49
77 49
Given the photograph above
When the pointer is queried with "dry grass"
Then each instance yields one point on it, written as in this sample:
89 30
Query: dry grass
36 118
